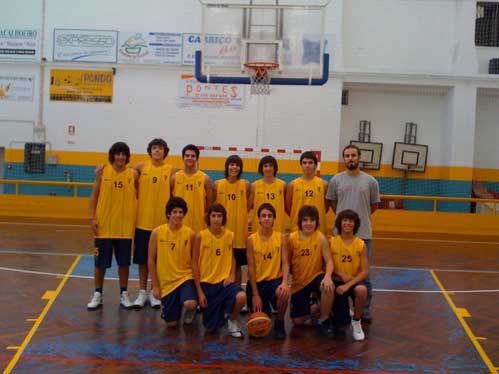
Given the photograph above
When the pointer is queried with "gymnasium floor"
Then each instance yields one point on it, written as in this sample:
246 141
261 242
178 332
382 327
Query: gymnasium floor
435 311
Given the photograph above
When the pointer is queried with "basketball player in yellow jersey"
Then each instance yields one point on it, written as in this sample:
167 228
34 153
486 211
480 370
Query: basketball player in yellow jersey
268 189
307 190
214 271
233 193
154 192
351 268
268 269
194 187
113 204
170 257
309 250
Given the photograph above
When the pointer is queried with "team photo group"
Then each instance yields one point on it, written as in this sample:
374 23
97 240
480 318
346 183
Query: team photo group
192 236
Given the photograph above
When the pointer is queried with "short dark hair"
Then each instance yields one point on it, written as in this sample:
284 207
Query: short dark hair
266 206
350 146
267 160
190 147
347 214
309 211
233 159
218 208
309 154
175 202
160 142
119 147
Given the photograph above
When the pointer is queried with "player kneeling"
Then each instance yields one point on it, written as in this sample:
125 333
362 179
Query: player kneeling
268 269
350 270
214 270
169 261
309 249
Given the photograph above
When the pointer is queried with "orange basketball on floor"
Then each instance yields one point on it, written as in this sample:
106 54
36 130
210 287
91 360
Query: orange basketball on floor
259 324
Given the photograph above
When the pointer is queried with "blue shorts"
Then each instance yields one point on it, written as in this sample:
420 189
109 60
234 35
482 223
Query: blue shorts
141 241
341 306
103 252
174 301
221 300
267 290
300 300
240 256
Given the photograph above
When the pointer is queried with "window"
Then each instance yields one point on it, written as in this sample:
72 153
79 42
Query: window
487 24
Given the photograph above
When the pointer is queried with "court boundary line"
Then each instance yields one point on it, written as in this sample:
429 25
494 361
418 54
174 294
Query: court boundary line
59 275
51 296
191 365
460 316
75 225
21 252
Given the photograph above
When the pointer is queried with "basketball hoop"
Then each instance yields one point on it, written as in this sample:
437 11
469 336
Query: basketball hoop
260 74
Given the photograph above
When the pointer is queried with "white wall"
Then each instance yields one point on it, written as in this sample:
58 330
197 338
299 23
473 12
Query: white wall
415 36
388 113
376 39
485 54
486 153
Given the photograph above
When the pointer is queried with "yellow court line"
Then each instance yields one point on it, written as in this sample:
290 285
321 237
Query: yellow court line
40 318
460 316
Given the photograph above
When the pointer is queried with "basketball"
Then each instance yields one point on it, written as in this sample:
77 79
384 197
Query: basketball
259 324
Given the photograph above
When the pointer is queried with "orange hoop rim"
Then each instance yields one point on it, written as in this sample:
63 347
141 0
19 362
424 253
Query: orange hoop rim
261 66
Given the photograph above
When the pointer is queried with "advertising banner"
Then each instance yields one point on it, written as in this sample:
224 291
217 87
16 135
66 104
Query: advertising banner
89 86
85 45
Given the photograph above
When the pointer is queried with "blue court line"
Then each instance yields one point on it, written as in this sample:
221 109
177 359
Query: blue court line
160 346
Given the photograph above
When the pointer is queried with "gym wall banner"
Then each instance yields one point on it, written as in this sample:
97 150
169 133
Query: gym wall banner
89 86
19 44
16 87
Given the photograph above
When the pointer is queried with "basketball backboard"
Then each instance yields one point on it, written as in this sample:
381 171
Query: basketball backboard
409 157
370 154
288 34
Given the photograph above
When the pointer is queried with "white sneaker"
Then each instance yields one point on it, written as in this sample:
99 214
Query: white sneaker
357 332
125 300
141 299
155 303
234 329
189 316
96 301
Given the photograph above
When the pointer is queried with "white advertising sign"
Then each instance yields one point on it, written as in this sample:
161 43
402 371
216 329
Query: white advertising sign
16 88
19 44
85 45
193 93
150 48
221 50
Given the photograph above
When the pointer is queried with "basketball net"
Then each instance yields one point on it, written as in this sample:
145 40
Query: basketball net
260 74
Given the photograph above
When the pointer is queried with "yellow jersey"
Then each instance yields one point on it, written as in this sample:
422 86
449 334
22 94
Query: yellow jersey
268 256
309 193
215 256
173 259
307 260
117 204
154 193
233 196
192 190
346 257
273 194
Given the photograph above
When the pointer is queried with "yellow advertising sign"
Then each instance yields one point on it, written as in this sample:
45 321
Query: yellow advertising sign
89 86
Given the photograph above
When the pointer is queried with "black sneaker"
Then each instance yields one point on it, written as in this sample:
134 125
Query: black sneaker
326 328
366 316
279 331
